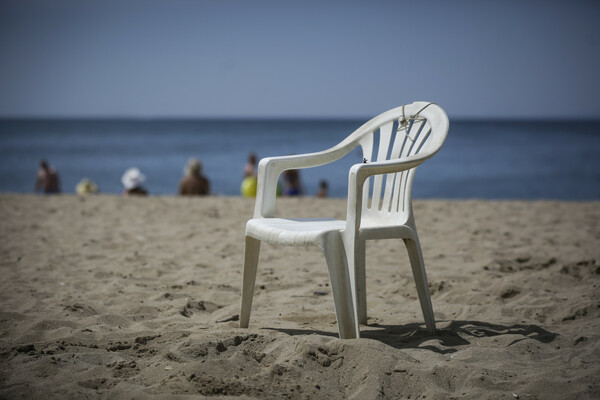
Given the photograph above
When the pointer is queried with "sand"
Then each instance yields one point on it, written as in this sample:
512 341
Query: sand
137 298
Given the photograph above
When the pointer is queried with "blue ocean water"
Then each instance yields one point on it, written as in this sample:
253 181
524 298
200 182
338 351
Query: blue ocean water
480 159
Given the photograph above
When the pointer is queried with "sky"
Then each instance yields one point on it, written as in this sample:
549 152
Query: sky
279 59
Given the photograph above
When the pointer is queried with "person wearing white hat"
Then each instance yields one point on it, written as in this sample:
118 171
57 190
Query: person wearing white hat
132 182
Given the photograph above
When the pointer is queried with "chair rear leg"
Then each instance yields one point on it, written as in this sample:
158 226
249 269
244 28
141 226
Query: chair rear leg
418 269
335 255
251 253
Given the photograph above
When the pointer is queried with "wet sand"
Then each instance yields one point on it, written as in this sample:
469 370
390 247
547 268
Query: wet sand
113 297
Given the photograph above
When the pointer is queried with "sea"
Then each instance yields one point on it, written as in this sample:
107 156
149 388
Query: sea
481 159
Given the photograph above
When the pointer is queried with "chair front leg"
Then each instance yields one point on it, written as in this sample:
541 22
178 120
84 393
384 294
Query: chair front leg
251 253
335 255
356 264
418 269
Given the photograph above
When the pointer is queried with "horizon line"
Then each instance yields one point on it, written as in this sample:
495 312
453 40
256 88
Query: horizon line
277 118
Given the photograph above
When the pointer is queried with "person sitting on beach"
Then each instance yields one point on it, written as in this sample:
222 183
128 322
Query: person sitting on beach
85 187
47 179
250 168
132 182
291 183
194 183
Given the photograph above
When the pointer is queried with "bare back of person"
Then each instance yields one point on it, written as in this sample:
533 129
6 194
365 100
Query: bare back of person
47 179
194 185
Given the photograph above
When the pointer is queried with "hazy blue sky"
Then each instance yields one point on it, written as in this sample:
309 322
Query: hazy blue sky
305 58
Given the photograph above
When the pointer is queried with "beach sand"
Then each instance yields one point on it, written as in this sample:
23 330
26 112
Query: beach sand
136 298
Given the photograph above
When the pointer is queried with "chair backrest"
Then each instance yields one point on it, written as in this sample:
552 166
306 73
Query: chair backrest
415 130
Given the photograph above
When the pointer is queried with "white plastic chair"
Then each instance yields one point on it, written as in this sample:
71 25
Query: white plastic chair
379 206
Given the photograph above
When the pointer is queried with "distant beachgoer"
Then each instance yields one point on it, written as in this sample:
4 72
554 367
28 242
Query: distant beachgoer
249 183
323 186
132 182
85 187
47 179
250 168
194 183
291 183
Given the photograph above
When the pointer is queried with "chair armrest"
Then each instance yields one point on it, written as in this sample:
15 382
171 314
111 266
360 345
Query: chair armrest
358 175
270 168
363 171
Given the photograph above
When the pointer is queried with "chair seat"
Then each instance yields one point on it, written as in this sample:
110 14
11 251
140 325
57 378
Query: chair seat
292 232
370 230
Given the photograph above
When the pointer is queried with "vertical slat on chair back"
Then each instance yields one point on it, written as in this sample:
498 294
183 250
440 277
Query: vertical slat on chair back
390 193
385 138
417 134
